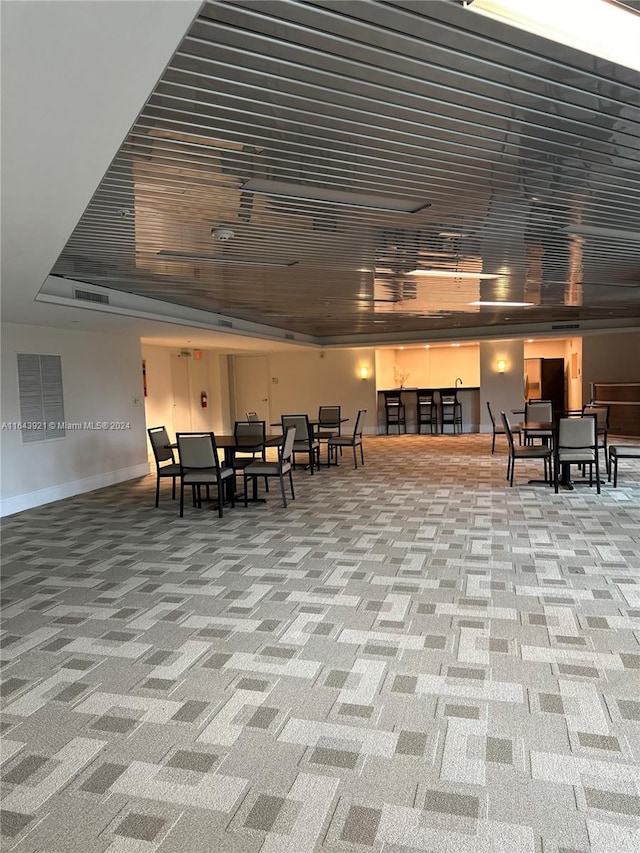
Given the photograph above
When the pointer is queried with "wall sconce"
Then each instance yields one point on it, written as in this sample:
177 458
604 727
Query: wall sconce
364 372
502 365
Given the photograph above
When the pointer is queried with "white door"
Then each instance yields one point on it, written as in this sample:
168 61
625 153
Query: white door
181 393
251 375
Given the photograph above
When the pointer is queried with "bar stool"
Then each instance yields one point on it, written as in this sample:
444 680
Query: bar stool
450 409
394 410
427 409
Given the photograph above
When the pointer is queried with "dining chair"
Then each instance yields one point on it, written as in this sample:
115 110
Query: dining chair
252 416
394 410
527 451
500 430
538 411
576 443
601 411
450 409
200 466
354 440
163 453
250 430
328 422
278 468
427 409
305 441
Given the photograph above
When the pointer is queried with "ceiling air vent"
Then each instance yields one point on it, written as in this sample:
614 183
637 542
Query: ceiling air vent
289 336
226 323
90 296
565 326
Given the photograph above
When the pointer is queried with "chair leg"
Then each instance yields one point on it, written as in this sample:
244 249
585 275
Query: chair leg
493 443
245 478
181 498
293 496
597 472
284 497
173 489
615 473
355 457
158 491
361 453
513 465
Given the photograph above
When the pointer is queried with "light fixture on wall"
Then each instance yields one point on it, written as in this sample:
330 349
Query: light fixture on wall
502 365
364 372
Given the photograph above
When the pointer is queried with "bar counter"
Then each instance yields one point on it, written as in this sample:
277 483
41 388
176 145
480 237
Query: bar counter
469 397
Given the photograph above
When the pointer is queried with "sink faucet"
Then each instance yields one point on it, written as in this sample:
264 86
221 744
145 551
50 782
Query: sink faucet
458 380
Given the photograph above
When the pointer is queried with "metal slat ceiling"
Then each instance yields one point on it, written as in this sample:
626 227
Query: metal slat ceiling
296 124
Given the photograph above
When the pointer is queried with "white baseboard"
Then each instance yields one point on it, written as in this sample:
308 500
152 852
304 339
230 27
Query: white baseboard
29 500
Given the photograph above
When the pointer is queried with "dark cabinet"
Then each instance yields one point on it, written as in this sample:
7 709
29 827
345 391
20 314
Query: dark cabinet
544 380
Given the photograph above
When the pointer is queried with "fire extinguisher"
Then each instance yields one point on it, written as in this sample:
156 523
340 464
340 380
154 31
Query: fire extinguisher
203 399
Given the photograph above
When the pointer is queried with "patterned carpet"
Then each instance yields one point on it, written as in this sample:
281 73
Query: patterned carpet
411 657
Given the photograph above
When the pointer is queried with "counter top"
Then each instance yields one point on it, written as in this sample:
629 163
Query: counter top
433 388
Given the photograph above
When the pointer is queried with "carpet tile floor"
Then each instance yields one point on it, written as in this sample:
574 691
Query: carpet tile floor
411 657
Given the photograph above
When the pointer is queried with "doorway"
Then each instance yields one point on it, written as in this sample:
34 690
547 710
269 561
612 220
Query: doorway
181 394
251 382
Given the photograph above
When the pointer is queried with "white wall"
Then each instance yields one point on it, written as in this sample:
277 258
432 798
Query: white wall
308 379
429 367
504 391
101 374
208 374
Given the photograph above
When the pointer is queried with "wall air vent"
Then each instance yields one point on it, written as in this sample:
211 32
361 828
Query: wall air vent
564 326
90 296
226 323
289 336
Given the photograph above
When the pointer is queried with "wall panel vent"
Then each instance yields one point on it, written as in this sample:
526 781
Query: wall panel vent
41 399
90 296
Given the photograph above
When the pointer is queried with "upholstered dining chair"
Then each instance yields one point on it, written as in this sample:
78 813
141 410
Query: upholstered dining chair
527 451
498 429
278 468
538 411
305 440
252 416
601 411
200 466
250 430
354 440
576 443
166 465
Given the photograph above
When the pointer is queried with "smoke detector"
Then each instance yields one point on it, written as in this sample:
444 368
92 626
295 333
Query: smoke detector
222 233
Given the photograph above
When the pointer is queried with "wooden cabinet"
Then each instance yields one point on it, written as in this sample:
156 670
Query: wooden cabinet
624 401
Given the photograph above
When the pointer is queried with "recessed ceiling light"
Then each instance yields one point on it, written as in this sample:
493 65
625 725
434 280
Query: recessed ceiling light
188 256
453 274
427 346
304 192
597 231
455 345
502 304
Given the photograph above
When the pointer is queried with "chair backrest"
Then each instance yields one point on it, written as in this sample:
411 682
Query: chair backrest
507 429
392 398
540 411
329 416
250 429
300 422
160 444
357 430
602 415
197 450
493 420
576 433
286 450
425 396
449 396
252 416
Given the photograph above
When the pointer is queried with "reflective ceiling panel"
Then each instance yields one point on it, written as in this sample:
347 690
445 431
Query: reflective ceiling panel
348 144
